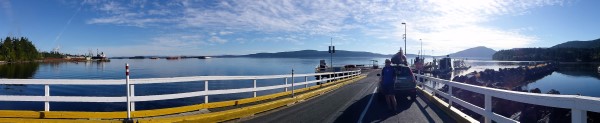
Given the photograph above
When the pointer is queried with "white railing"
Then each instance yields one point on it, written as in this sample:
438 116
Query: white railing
579 105
131 98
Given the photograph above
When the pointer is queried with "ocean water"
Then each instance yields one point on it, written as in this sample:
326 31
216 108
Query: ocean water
153 68
569 79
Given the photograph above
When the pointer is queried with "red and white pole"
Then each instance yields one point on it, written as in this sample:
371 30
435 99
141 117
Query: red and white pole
293 82
128 91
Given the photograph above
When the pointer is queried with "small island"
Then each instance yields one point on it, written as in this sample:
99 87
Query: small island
21 49
18 50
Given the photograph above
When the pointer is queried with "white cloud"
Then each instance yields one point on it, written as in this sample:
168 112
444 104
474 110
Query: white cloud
216 39
168 44
449 26
444 25
225 32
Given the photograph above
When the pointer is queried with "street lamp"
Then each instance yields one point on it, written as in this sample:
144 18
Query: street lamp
404 36
331 52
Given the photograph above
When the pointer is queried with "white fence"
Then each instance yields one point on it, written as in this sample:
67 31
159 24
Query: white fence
579 105
131 98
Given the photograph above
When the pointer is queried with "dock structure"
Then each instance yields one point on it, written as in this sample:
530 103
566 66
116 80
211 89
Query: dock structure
158 115
349 97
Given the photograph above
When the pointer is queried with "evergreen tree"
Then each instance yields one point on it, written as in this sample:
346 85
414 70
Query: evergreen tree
550 54
18 49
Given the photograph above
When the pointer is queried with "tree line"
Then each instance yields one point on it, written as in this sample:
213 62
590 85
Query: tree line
549 54
18 49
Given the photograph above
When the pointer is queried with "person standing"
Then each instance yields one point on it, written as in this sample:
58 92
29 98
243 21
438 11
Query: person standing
400 58
388 75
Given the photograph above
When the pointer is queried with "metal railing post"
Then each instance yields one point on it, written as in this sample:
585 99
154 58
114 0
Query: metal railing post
254 88
305 80
47 94
578 116
335 75
330 77
488 108
206 91
347 75
286 82
449 93
321 80
293 83
433 83
128 91
132 95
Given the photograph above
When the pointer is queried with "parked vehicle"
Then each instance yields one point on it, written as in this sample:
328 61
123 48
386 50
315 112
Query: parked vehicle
405 83
323 68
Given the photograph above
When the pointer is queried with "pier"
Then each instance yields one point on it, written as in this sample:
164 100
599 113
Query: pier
346 96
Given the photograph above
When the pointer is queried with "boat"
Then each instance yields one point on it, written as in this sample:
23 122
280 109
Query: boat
137 57
154 58
323 68
444 66
460 65
173 58
100 57
204 57
418 64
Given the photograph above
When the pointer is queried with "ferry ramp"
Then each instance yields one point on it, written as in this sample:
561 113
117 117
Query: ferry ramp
346 96
351 103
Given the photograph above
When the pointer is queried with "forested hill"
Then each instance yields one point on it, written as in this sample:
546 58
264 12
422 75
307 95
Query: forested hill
579 44
18 49
314 53
572 51
549 54
481 51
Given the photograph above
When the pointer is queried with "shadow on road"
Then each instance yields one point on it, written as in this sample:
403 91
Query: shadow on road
409 110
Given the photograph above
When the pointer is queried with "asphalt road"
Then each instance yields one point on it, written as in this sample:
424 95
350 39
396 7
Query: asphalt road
346 104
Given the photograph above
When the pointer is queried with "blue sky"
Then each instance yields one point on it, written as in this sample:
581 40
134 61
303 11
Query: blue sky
216 27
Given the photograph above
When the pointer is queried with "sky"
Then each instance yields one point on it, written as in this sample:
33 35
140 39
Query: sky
234 27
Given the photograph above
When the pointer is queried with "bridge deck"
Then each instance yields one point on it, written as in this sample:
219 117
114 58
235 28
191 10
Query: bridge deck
346 104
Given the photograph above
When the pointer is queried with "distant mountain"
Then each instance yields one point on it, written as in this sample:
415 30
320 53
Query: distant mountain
481 52
313 53
579 44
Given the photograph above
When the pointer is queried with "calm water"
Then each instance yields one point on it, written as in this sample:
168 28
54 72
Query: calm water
148 68
570 79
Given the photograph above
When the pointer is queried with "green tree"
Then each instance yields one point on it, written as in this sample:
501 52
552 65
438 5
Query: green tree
18 49
1 51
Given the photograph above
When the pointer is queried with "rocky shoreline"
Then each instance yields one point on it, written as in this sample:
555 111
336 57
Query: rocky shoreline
513 79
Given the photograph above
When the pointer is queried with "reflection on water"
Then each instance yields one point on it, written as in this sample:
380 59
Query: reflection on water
582 79
148 68
19 70
569 79
580 70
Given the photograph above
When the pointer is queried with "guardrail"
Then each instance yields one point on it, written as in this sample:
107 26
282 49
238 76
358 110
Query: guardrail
579 105
131 98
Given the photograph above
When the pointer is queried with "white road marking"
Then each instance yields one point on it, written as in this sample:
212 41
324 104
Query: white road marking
362 115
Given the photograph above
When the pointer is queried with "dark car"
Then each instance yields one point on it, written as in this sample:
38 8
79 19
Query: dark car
405 83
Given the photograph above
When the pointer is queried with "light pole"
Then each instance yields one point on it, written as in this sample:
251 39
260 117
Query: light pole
331 51
404 36
293 82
